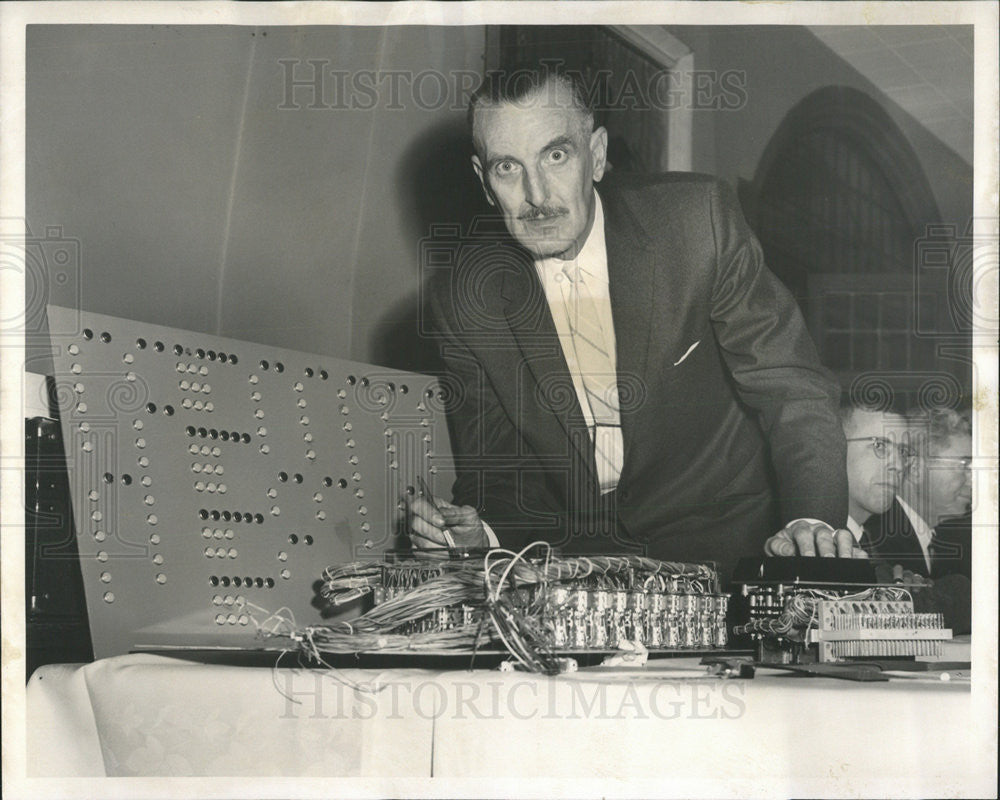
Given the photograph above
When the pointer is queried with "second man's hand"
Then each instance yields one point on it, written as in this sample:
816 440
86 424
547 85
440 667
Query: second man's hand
807 538
897 574
432 517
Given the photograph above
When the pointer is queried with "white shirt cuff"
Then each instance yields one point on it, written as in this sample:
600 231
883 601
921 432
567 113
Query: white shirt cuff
813 521
491 538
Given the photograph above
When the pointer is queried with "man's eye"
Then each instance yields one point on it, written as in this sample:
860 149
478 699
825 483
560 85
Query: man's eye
505 168
557 155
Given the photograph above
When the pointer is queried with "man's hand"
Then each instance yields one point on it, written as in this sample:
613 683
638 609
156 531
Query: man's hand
804 538
894 573
428 525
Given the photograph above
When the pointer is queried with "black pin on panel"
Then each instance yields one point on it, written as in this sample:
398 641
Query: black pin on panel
212 479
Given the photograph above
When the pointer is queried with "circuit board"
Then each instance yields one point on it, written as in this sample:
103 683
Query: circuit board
804 610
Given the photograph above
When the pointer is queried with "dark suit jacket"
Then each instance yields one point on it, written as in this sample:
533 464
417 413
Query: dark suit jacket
893 540
890 537
953 547
700 436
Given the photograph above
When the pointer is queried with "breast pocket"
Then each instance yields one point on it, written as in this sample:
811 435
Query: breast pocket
687 352
686 359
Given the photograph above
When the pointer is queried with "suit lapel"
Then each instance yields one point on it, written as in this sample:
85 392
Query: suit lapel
909 544
904 545
530 321
631 284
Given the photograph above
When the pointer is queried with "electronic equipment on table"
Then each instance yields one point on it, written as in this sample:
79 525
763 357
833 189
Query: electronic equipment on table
535 604
827 610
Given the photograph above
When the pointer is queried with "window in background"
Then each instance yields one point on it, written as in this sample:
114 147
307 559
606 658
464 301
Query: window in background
848 221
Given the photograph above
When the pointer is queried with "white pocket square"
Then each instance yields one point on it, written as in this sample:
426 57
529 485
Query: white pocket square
686 354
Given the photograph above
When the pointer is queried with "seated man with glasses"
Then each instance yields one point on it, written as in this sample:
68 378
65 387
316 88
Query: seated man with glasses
909 485
927 529
878 455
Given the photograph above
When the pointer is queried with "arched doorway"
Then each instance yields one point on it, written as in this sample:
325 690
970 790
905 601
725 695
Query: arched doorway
844 212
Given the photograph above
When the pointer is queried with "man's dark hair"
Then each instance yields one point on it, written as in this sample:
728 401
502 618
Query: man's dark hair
516 83
848 405
851 402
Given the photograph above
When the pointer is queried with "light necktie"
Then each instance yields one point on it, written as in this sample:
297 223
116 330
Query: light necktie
598 377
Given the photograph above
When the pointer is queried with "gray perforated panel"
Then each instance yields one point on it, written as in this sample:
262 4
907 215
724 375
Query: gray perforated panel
208 472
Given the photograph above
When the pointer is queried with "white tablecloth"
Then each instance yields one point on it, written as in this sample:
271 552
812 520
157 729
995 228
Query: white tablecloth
142 715
145 715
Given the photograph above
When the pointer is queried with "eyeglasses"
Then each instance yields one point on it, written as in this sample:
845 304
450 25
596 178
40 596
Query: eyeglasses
952 461
881 447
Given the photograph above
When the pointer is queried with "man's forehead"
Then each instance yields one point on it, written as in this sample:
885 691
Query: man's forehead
540 113
958 446
876 423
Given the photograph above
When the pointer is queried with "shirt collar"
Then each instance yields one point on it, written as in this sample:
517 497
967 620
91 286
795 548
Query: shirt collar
856 529
592 258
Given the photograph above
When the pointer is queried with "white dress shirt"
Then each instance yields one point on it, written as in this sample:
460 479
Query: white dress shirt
592 263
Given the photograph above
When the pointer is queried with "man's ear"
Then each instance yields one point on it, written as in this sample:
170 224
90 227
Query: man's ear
477 165
599 151
914 473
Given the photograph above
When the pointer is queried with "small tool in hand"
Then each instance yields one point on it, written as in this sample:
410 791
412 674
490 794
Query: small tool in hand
426 492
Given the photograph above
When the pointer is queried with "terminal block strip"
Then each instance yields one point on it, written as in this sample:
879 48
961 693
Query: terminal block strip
868 628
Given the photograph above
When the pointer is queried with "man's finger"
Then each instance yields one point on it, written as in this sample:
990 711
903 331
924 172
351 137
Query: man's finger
424 530
844 540
859 552
421 542
804 541
914 578
460 515
421 508
780 544
825 546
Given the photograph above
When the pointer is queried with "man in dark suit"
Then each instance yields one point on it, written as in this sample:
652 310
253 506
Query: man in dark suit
629 374
927 530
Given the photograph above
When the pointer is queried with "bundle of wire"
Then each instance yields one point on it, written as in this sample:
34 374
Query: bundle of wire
510 616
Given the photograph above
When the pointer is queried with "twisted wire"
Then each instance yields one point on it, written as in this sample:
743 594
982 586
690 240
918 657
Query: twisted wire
423 587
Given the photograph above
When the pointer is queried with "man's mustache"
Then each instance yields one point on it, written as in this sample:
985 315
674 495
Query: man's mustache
541 212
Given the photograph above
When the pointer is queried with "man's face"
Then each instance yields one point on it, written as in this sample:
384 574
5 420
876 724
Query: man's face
949 480
538 162
873 481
